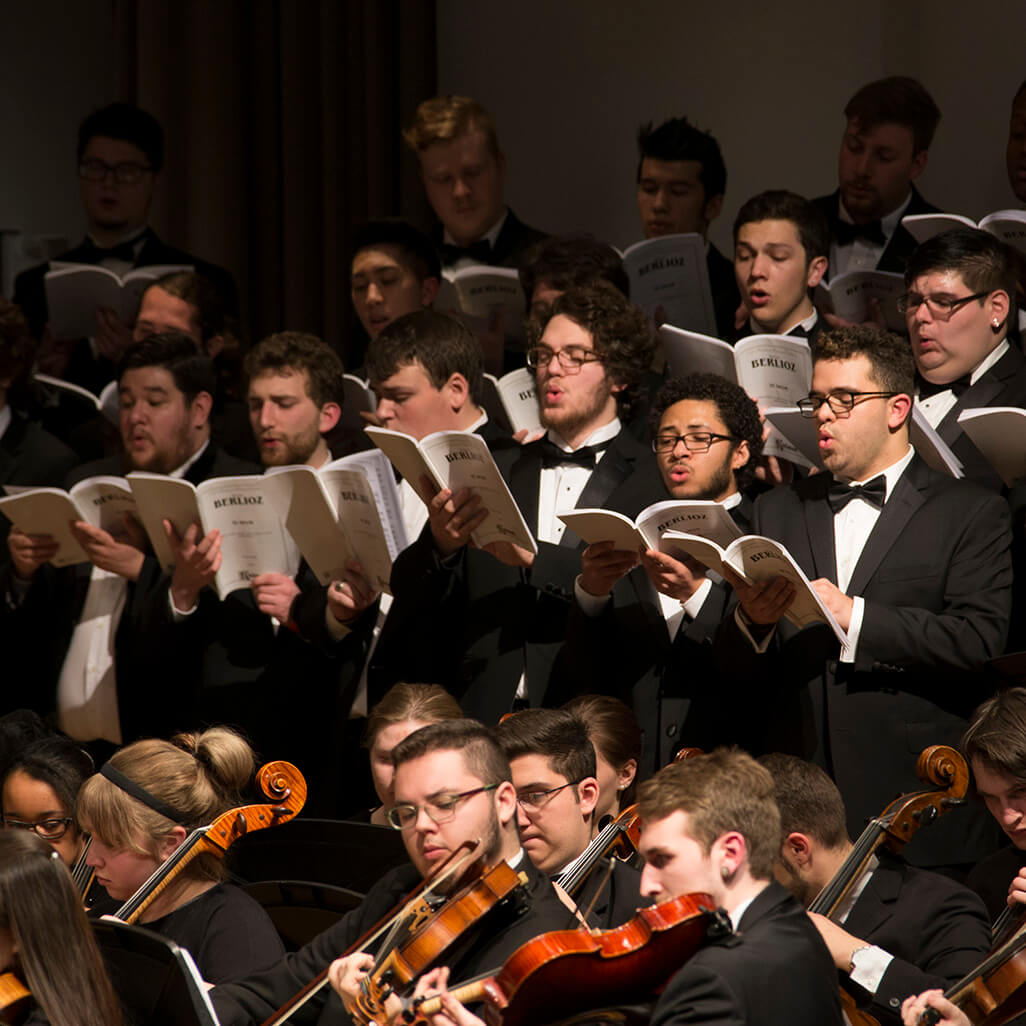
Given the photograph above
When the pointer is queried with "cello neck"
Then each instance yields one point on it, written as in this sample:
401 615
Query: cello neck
162 876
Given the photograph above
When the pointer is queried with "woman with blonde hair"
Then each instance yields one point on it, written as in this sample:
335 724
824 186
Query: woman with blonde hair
140 807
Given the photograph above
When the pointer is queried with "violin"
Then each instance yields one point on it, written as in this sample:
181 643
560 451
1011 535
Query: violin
939 765
280 781
81 873
14 998
560 975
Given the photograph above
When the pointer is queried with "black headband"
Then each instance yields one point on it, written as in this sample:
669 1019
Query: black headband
129 786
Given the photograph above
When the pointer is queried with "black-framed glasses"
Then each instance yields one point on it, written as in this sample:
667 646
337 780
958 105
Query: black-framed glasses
48 829
440 809
694 441
570 359
126 173
940 306
839 402
532 801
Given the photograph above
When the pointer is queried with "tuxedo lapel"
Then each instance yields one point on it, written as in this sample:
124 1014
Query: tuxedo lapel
819 526
612 470
523 483
980 394
894 517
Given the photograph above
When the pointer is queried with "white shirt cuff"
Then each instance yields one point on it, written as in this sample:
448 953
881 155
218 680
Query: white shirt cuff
178 615
693 605
591 605
858 611
759 646
870 965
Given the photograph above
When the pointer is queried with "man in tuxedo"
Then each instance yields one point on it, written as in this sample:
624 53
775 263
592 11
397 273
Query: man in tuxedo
900 929
915 568
553 763
565 262
463 168
81 636
644 632
780 247
120 158
890 125
497 617
681 182
958 305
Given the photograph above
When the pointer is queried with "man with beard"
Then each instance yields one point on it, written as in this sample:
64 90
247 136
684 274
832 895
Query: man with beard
452 784
497 617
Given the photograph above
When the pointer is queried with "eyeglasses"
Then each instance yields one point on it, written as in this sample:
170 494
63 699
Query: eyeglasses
439 810
535 800
48 829
940 306
570 359
839 402
694 441
127 173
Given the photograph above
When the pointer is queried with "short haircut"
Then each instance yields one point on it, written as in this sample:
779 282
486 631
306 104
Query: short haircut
808 800
614 731
781 205
424 703
17 351
126 123
737 409
58 762
890 357
298 351
570 261
678 139
200 294
620 334
191 370
415 250
443 118
481 753
723 791
898 100
560 736
442 345
996 734
984 262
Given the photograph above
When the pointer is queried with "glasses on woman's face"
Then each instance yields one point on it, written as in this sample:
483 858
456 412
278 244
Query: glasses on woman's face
48 829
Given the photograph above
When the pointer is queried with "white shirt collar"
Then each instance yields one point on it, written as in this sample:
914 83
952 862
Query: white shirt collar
479 423
732 500
808 323
184 468
606 433
891 473
988 361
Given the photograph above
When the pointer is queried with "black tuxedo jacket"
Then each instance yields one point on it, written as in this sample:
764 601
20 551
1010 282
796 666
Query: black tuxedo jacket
935 575
798 331
613 899
534 910
899 246
30 456
154 699
725 295
512 245
778 971
93 372
627 652
936 929
483 624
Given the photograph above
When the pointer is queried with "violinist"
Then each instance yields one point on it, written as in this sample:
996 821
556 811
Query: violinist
139 809
902 929
452 784
553 764
46 941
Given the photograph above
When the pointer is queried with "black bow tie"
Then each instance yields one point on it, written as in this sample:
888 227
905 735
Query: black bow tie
927 389
585 456
94 254
845 232
874 492
480 252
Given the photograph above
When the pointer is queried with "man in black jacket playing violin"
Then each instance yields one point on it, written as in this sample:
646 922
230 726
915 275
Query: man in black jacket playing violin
452 784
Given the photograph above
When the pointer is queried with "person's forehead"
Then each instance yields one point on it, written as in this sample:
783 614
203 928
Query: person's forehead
142 378
771 232
470 147
443 771
670 833
534 768
941 279
994 781
852 372
882 133
561 331
156 300
380 257
407 375
114 151
281 381
692 411
669 172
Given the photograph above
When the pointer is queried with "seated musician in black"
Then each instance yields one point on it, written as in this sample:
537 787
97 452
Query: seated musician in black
554 773
900 929
710 824
452 784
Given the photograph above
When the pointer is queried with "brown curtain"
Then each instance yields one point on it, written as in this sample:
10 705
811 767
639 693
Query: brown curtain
283 123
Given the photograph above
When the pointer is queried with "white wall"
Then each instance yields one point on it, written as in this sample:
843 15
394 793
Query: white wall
568 82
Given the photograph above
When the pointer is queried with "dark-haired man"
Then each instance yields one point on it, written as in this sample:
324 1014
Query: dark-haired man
553 763
681 183
914 566
644 632
900 929
886 141
452 785
498 617
564 262
79 628
120 158
780 253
